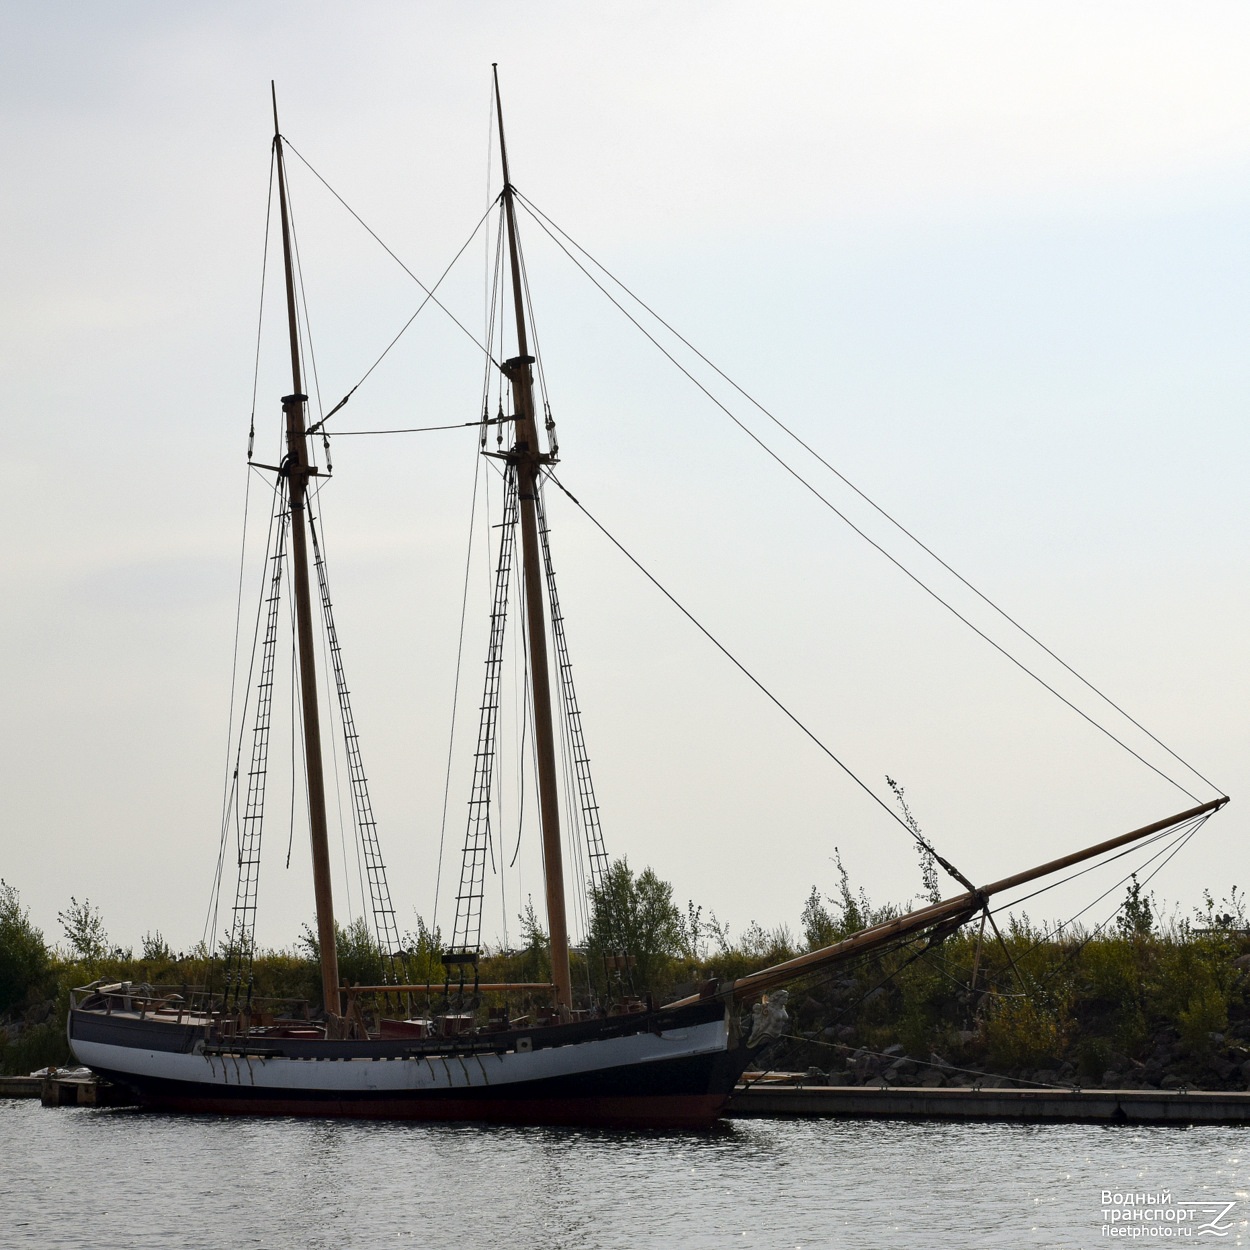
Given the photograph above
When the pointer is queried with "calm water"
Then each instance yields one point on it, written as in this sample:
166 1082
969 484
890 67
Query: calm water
121 1178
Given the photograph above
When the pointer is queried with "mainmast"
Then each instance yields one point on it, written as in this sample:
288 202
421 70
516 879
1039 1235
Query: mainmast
526 455
298 470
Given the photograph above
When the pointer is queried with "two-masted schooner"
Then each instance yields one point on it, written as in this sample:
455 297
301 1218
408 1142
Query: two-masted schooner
626 1062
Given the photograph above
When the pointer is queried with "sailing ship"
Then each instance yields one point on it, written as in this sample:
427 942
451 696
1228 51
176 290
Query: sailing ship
618 1059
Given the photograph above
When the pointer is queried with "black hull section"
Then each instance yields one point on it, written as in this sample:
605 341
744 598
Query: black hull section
684 1093
681 1091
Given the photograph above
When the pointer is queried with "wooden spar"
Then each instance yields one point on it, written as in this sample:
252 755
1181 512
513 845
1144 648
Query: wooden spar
526 457
958 909
297 469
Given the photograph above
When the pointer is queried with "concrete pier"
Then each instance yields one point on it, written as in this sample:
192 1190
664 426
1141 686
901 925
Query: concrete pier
1136 1106
799 1099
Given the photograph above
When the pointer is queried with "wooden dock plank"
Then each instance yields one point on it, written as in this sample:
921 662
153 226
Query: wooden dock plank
20 1086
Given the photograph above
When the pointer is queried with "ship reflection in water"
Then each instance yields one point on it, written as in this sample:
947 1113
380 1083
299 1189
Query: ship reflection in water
73 1179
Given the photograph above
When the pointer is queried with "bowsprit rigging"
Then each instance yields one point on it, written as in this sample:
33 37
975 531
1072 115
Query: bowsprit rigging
573 1057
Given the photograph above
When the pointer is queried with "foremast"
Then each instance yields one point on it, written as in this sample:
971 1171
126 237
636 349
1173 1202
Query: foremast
298 470
527 457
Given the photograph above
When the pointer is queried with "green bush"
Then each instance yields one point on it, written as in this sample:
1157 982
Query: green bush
636 914
24 956
1022 1033
1205 1014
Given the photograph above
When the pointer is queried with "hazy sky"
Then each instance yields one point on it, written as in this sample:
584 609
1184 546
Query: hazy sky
989 259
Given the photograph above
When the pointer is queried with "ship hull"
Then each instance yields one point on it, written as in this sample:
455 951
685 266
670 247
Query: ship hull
672 1071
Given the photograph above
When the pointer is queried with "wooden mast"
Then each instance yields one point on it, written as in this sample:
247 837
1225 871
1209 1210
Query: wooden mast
298 471
526 456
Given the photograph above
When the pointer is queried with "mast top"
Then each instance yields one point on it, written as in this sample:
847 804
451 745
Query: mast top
503 147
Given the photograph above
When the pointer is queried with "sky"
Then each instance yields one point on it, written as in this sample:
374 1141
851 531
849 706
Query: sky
990 261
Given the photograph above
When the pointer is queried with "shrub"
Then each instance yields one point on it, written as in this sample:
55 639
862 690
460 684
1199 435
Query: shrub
24 956
1205 1014
637 915
1023 1033
85 932
361 961
1137 917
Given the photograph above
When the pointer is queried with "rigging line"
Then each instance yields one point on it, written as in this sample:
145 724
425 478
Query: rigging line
429 291
260 316
860 962
491 201
520 705
533 209
455 696
755 681
1181 843
492 312
421 429
529 307
1175 849
521 659
403 329
278 490
798 477
938 962
332 708
522 738
989 915
1102 863
229 782
297 705
290 842
527 732
1173 846
303 299
946 1067
500 319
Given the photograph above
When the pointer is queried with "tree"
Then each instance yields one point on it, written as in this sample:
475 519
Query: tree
24 958
536 948
855 910
155 948
360 957
636 915
932 892
84 930
423 950
820 926
1136 918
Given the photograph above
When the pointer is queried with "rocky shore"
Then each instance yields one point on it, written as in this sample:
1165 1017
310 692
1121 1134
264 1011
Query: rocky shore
846 1037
